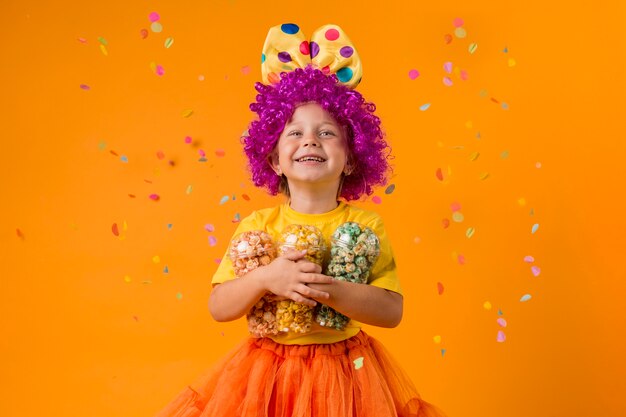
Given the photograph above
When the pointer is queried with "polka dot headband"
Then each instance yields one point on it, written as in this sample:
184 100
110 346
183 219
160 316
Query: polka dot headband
329 49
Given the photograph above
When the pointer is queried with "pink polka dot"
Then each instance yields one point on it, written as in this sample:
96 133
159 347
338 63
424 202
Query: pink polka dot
154 17
413 74
376 200
304 48
458 22
332 34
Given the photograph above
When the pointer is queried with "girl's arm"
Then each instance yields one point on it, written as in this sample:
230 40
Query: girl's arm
365 303
284 277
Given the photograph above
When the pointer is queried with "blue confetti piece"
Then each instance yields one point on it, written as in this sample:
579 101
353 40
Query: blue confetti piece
525 297
169 226
234 196
443 352
224 199
166 270
535 227
505 106
124 158
424 107
500 312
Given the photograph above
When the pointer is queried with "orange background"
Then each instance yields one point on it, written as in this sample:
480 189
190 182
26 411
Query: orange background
92 325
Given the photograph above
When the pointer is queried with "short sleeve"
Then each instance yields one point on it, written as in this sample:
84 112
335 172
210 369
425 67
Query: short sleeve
384 273
225 270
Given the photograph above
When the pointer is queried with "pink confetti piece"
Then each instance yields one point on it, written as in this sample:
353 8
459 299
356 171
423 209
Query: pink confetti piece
457 22
154 17
447 67
212 241
201 153
209 227
217 260
439 288
535 270
160 154
464 76
245 70
85 87
461 259
413 74
529 259
82 40
501 322
188 140
154 197
455 206
159 70
220 153
501 336
447 81
376 200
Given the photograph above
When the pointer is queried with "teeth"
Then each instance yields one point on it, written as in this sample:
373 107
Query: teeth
310 158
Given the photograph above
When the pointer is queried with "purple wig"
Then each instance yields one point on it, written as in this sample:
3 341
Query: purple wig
275 104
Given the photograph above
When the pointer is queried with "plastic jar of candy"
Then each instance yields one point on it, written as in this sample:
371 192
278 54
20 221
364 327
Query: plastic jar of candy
354 250
293 317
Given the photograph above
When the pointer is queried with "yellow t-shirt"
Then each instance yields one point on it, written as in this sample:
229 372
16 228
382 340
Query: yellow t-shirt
274 220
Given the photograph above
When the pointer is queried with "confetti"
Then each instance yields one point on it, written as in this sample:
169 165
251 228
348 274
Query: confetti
472 48
437 339
413 74
169 226
20 234
102 41
224 199
456 206
501 322
166 270
447 38
209 228
525 297
460 33
187 113
212 241
501 336
457 22
511 62
504 154
439 288
358 363
159 70
390 189
179 296
127 278
245 70
114 229
154 197
189 189
445 223
534 228
474 156
237 218
104 51
187 138
156 27
220 153
484 176
487 305
169 42
439 174
443 352
124 158
143 33
85 87
245 197
469 232
447 67
458 217
160 154
447 81
156 259
464 75
376 200
461 259
529 259
424 107
154 17
535 270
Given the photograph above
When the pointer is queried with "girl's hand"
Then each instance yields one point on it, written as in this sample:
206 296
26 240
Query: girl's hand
288 275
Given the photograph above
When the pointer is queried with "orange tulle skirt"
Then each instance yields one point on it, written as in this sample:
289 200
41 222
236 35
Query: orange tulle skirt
261 378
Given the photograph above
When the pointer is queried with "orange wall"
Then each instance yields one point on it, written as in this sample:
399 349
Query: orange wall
90 322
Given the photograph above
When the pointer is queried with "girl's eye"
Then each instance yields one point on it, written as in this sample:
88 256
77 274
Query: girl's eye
326 133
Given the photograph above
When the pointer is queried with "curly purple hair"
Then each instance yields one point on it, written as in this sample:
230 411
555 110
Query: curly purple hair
275 104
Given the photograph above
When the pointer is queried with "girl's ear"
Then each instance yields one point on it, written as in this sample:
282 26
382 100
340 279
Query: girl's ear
349 166
272 159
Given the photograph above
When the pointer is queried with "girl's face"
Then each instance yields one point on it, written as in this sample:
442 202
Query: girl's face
312 149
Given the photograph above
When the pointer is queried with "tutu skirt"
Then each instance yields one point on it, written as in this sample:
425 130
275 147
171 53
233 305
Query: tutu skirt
356 377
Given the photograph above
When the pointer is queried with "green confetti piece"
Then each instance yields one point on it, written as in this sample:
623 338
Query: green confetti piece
189 189
358 363
504 154
169 42
472 48
102 41
179 296
102 145
469 232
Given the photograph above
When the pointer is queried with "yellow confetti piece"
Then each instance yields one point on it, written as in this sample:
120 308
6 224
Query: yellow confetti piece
103 49
460 32
127 278
521 201
437 339
458 217
156 259
472 48
187 113
487 305
189 189
512 62
469 232
469 124
484 176
169 42
474 156
358 363
153 66
124 226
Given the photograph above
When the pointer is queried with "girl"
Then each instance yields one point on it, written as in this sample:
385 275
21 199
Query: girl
316 140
